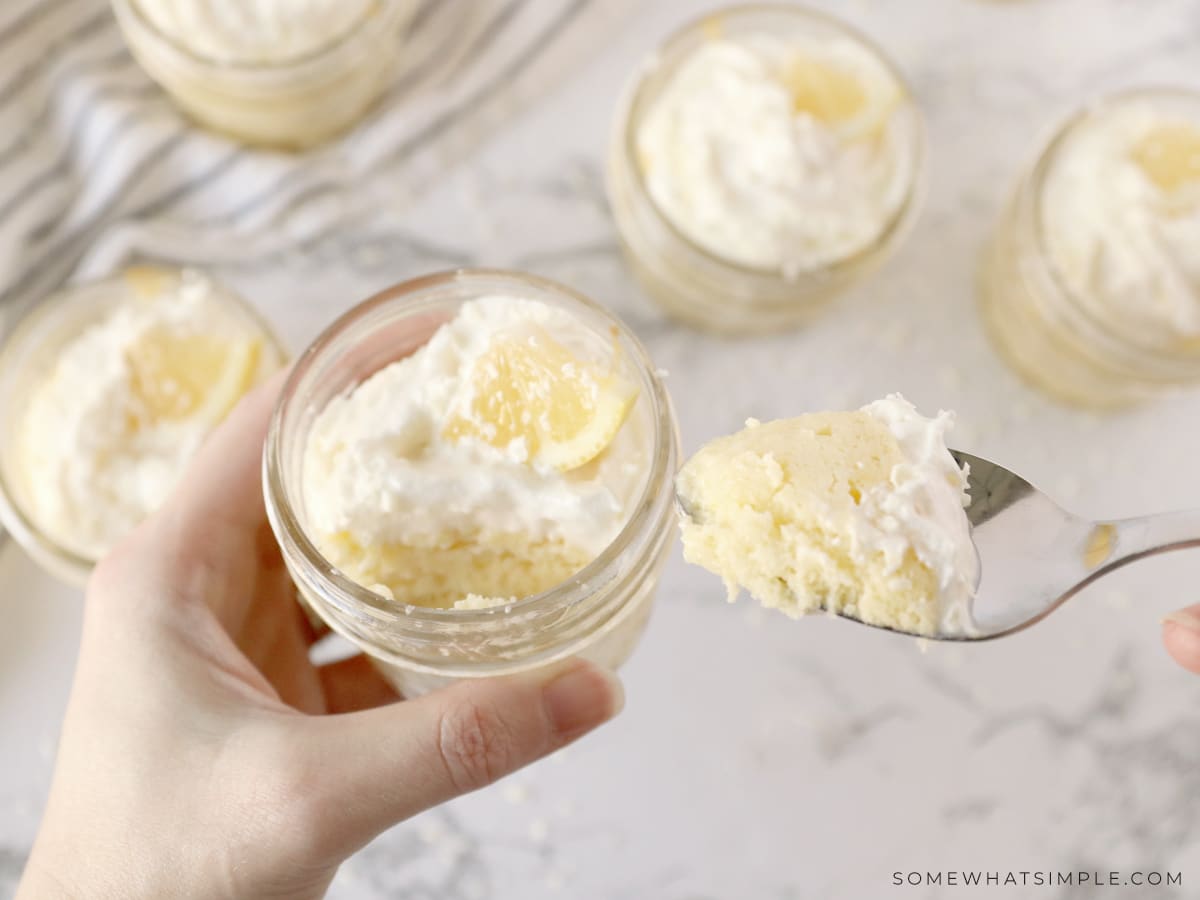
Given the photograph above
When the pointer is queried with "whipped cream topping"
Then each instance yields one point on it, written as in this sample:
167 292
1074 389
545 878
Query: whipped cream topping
256 31
85 473
1122 244
922 509
739 170
377 467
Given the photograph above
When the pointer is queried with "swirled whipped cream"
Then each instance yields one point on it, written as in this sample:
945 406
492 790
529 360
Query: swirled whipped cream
782 152
1120 215
857 513
256 31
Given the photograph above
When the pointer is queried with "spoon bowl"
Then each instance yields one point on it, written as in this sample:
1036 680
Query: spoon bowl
1034 555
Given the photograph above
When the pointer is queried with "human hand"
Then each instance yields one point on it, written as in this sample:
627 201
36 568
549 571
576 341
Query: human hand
1181 634
203 755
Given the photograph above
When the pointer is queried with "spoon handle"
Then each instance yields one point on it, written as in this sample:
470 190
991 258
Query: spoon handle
1127 540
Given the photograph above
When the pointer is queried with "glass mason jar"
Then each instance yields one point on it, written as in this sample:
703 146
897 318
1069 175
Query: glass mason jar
1052 335
292 104
29 353
690 281
598 614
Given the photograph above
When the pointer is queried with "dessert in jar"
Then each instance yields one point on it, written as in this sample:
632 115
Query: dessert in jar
106 391
1091 284
279 73
858 513
470 474
763 160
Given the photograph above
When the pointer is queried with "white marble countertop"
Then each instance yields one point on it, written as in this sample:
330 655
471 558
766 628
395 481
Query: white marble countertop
760 758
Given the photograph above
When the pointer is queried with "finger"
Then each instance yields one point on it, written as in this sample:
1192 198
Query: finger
354 684
223 483
212 535
384 765
1181 634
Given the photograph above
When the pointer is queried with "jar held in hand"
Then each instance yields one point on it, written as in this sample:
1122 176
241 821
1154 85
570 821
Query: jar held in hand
469 474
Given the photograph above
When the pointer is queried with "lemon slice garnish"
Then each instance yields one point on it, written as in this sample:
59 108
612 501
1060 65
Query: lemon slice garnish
827 93
713 27
838 99
1170 156
149 281
192 376
565 410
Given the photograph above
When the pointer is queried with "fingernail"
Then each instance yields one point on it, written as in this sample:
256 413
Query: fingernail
582 697
1185 618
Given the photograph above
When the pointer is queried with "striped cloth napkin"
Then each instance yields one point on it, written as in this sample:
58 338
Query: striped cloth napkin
96 164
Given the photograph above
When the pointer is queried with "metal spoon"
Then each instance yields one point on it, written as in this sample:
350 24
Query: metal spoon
1035 555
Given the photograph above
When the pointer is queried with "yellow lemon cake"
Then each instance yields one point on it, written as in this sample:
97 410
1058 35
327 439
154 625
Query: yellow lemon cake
856 513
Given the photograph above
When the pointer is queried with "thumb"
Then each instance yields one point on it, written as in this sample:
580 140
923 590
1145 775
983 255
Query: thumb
1181 634
382 766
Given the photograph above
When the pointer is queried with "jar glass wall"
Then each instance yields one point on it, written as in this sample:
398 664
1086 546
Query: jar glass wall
1070 342
713 290
599 613
289 104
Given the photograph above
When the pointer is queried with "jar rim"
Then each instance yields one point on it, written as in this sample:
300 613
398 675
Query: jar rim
18 521
130 11
355 600
1040 172
630 112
